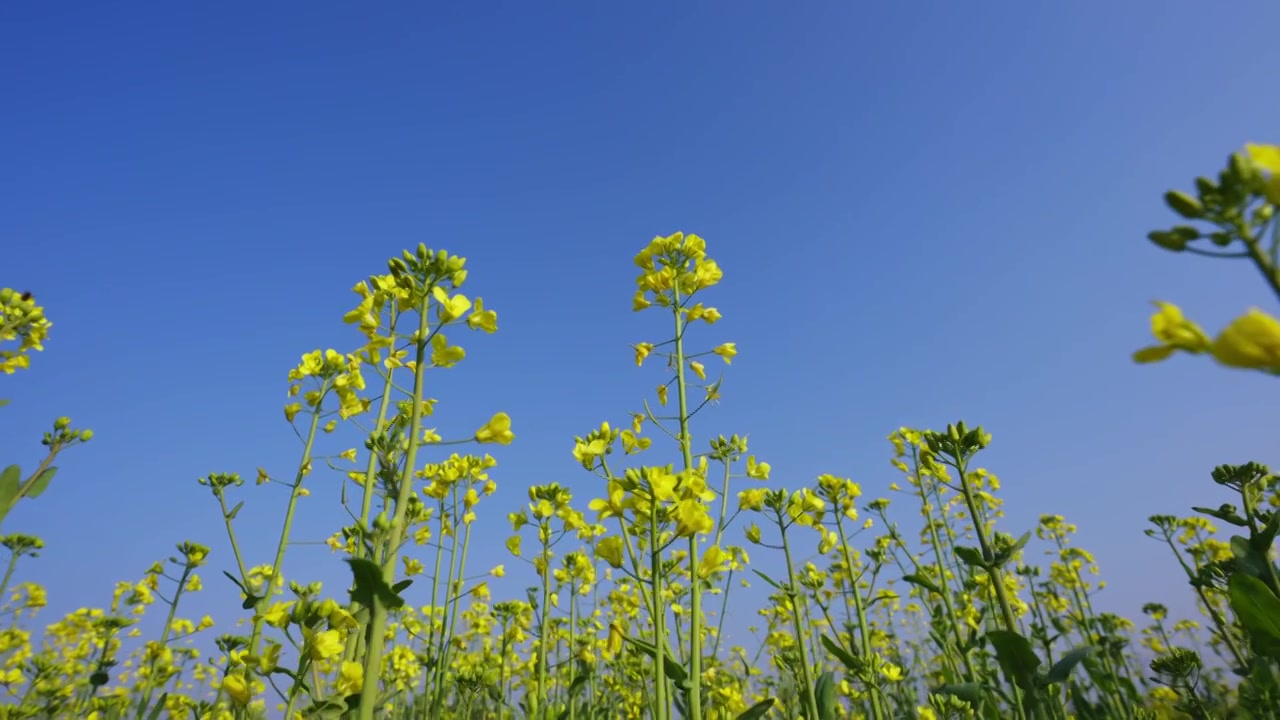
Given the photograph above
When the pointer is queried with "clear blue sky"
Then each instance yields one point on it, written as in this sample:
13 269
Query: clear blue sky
925 212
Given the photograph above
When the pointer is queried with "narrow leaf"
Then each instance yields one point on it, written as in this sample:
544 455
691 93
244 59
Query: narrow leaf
757 711
924 582
1061 670
824 693
159 708
41 482
767 579
845 657
968 692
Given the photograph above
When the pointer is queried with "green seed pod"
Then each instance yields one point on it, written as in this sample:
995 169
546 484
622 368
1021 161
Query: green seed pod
1183 204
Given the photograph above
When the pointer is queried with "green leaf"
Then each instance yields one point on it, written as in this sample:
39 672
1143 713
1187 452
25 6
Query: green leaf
757 711
41 483
235 510
233 579
1258 610
1225 513
824 694
1252 561
1061 670
924 582
10 483
159 708
768 579
970 556
670 666
968 692
401 586
1015 656
369 585
845 657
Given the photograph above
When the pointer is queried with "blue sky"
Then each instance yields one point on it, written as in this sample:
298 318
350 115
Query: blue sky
925 212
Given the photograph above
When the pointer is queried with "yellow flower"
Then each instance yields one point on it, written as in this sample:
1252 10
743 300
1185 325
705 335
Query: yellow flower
726 351
610 550
443 354
757 470
237 689
713 559
481 319
325 645
692 517
1174 333
497 430
752 499
350 678
1267 158
642 351
662 483
450 308
1250 341
707 273
278 614
698 369
498 571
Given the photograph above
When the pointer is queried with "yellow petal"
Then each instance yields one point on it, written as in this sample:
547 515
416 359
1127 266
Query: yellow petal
1250 341
1152 354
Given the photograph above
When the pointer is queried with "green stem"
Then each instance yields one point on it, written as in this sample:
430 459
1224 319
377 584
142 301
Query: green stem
369 490
303 468
695 582
539 698
8 573
662 709
164 640
806 672
378 621
864 632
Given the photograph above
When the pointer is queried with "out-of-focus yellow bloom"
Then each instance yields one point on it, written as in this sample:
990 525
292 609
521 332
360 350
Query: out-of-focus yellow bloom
1174 332
497 430
1250 341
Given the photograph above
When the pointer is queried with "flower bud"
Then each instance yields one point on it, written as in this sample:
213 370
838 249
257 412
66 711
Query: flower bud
62 423
1167 240
1183 204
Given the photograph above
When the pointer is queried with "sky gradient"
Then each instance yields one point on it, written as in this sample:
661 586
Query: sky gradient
925 212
